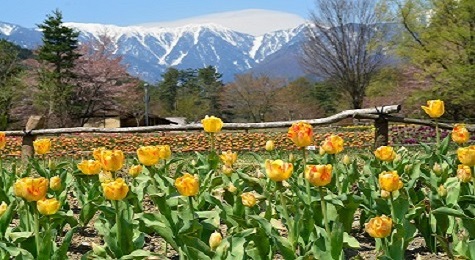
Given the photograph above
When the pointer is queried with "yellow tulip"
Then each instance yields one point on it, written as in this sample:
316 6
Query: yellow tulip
215 240
278 170
42 146
148 155
115 190
212 124
389 181
270 146
112 160
434 108
464 173
55 183
301 134
3 208
379 227
228 158
48 206
164 152
135 170
466 155
319 175
96 153
333 144
187 185
460 134
89 167
3 140
385 153
31 189
248 199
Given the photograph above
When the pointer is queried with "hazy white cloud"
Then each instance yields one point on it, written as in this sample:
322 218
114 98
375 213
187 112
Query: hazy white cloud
252 21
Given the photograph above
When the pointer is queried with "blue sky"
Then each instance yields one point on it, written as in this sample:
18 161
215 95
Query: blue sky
28 13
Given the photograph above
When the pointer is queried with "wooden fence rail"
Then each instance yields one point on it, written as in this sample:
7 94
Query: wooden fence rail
380 115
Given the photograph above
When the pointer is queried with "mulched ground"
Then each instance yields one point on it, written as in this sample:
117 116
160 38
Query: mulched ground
83 239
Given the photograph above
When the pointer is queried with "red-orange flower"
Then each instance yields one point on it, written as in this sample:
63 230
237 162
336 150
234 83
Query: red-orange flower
301 134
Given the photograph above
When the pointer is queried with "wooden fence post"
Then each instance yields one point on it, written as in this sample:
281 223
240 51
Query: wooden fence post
27 149
381 133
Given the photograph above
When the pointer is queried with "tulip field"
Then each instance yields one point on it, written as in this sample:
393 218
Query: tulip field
222 195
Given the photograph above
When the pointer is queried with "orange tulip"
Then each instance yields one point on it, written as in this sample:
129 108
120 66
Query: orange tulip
187 185
333 144
278 170
301 134
379 227
385 153
3 140
319 175
31 189
460 134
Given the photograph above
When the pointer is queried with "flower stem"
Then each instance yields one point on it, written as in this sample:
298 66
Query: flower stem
307 184
337 178
211 141
37 229
283 203
437 134
324 211
393 212
190 201
118 221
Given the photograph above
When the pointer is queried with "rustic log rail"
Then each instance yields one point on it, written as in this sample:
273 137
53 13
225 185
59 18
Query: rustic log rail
380 115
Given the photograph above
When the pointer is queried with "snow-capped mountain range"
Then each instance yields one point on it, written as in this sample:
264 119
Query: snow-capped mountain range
149 51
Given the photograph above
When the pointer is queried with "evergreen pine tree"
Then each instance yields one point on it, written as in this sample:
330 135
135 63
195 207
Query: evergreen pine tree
58 55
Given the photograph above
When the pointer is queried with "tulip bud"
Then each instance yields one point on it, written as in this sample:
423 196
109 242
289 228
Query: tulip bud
385 194
215 240
248 199
228 158
437 169
227 170
346 160
259 174
51 164
55 183
105 177
232 188
270 145
442 191
135 170
407 168
193 162
3 208
291 158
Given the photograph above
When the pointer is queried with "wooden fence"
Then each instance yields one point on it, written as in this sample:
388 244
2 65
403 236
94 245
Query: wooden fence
381 116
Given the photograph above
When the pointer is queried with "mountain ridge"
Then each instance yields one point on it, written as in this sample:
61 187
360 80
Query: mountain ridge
148 52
